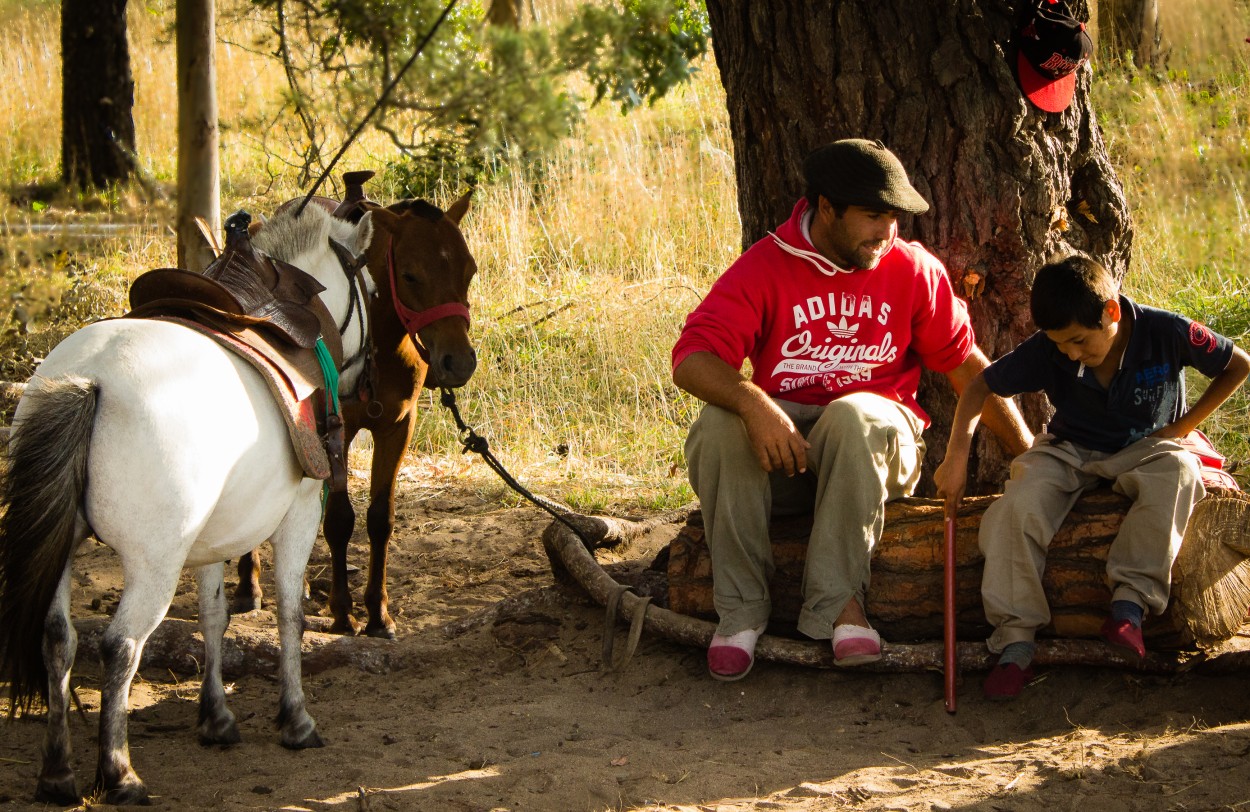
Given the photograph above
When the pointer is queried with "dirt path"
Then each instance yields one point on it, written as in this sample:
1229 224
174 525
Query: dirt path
505 706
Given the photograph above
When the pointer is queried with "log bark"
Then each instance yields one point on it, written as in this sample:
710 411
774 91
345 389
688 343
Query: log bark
1210 591
641 603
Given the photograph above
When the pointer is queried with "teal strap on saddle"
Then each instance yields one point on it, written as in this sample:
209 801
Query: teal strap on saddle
331 375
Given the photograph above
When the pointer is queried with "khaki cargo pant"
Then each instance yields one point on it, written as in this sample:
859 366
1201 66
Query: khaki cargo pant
866 450
1159 476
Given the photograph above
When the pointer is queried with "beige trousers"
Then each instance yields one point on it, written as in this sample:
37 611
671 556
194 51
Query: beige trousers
1159 476
866 450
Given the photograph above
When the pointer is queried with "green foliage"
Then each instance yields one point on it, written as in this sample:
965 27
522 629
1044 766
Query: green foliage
642 52
476 90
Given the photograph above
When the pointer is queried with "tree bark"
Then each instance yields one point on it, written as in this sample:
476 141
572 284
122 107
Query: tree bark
1210 589
97 94
199 175
1008 183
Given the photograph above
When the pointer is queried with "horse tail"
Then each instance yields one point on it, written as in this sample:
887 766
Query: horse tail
41 493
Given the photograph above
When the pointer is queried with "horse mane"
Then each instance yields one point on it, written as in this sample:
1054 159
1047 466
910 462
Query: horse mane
421 208
286 235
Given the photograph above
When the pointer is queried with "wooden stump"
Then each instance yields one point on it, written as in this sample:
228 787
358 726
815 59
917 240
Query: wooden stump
1210 590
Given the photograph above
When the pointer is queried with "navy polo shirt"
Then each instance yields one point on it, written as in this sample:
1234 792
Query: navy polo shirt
1146 393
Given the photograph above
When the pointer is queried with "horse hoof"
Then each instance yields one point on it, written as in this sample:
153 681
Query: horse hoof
384 632
308 741
220 734
133 794
60 791
349 627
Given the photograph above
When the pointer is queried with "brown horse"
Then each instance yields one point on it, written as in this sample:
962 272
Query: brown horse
417 254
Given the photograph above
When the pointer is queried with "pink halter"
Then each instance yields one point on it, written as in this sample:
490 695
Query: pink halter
414 320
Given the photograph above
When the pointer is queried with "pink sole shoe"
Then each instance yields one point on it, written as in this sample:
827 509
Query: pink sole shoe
855 645
1124 637
1005 682
730 657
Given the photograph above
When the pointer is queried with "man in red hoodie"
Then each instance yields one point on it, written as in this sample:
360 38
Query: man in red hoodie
837 316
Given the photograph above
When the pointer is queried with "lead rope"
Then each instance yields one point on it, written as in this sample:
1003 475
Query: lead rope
472 441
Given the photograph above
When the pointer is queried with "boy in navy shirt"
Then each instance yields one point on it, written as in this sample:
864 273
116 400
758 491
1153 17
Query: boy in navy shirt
1112 370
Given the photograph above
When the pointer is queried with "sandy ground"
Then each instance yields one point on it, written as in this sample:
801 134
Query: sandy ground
496 699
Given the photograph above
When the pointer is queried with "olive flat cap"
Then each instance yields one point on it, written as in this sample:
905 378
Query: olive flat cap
859 172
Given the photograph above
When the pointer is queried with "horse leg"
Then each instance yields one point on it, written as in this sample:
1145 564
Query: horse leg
217 725
248 595
339 522
388 453
60 642
292 544
145 599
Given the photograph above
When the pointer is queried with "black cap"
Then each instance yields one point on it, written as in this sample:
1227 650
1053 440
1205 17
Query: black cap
859 172
1050 48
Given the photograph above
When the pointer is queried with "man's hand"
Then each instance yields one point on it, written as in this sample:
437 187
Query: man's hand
777 443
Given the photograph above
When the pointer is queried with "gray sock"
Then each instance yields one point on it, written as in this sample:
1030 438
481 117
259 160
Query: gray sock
1127 610
1019 653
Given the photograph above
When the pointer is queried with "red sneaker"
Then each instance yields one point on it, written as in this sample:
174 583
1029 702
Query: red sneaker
1005 682
1123 636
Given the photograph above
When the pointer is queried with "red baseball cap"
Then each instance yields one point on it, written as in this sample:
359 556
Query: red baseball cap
1050 48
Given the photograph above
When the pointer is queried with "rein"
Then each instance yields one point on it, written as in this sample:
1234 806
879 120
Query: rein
351 267
472 441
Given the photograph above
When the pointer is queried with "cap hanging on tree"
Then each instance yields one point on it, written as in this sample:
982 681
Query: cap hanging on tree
1050 48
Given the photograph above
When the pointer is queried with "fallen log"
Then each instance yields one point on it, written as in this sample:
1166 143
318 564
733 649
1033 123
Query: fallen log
640 602
1210 592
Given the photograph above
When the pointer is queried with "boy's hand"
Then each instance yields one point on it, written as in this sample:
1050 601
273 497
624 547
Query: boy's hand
951 477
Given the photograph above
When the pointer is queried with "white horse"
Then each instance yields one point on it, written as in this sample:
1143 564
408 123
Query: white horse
172 451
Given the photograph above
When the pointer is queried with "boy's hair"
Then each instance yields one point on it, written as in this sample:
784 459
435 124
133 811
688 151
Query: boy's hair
1071 290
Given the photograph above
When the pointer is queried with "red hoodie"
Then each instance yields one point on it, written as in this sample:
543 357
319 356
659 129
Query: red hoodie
814 332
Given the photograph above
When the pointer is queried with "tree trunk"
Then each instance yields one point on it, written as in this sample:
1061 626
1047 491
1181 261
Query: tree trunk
97 94
1132 26
1008 183
1210 589
199 177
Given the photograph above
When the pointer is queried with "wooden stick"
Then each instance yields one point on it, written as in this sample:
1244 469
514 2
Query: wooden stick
951 665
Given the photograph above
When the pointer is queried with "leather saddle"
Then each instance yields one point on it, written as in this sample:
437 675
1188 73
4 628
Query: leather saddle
244 288
269 313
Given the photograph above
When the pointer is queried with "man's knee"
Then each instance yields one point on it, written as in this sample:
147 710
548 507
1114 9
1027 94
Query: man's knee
717 434
859 416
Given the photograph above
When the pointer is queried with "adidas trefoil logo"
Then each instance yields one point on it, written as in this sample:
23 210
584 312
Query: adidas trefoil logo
841 329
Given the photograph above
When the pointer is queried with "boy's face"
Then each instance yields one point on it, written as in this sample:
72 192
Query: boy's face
1087 345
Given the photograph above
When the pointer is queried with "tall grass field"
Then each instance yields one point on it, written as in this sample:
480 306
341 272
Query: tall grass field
589 259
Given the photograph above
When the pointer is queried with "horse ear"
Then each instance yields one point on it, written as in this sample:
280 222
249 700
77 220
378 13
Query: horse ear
363 234
460 208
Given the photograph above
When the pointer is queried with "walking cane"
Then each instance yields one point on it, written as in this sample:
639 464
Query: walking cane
951 665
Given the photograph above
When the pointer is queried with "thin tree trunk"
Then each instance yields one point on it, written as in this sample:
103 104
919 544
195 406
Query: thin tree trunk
199 177
1008 183
1132 26
97 94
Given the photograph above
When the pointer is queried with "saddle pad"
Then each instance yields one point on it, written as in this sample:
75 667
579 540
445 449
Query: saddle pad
300 403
